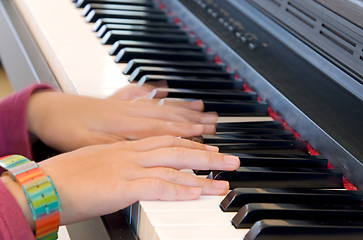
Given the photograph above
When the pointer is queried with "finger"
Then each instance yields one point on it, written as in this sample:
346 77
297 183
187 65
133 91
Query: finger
184 158
151 143
157 94
196 105
147 86
158 189
132 91
170 111
142 128
155 84
208 186
162 92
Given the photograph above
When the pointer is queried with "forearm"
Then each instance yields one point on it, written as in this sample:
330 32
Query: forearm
13 122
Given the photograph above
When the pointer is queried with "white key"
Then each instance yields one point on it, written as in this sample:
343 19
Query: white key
183 219
78 60
156 218
244 119
200 233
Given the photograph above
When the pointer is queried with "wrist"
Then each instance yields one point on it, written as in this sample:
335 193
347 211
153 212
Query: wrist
18 194
39 192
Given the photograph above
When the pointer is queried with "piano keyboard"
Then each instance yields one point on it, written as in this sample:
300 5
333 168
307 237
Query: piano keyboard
279 192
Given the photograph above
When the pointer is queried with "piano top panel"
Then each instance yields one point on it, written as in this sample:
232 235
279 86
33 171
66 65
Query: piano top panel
67 42
332 35
350 10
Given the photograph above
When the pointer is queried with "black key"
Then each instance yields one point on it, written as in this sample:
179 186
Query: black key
146 29
261 131
204 95
193 83
263 177
147 3
255 133
112 36
278 151
253 212
239 197
236 108
137 22
242 132
96 14
269 160
234 126
303 230
127 54
273 160
135 63
92 6
228 137
234 137
191 56
117 46
238 144
278 161
292 156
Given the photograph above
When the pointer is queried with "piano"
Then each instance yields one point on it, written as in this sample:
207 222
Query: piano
284 75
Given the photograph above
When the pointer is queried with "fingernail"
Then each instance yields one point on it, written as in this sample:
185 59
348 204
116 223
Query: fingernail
232 160
196 104
221 184
199 128
212 148
209 118
209 129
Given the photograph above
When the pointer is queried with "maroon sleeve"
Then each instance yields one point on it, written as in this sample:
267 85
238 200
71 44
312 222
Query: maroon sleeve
14 136
14 139
13 223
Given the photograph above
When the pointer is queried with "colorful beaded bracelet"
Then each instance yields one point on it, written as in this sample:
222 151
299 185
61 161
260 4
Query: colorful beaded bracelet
40 194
